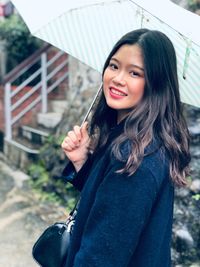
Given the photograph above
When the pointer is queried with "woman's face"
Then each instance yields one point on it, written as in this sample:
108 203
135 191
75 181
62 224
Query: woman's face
123 80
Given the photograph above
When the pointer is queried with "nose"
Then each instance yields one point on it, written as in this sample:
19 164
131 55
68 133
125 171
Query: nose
119 79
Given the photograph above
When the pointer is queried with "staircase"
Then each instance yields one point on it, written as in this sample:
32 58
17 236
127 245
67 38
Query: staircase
34 107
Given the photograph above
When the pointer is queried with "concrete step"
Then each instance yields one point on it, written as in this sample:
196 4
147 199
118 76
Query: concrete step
20 152
58 106
25 147
36 135
28 144
49 120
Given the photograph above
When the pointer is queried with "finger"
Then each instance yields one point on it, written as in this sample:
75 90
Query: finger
63 144
66 148
73 138
77 130
68 141
84 130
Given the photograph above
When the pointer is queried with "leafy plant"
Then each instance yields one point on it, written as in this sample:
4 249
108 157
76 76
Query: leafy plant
19 42
196 197
193 5
47 182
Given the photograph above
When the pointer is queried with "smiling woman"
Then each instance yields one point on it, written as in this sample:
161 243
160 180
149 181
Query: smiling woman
128 163
124 80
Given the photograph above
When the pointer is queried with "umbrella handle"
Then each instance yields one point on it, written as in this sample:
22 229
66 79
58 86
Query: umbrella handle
88 112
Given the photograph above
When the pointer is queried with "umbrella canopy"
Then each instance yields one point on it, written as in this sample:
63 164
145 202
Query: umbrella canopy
88 29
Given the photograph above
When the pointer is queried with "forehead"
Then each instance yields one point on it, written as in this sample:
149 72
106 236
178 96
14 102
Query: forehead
129 53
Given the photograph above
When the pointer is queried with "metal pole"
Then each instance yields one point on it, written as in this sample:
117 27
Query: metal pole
92 104
8 114
44 82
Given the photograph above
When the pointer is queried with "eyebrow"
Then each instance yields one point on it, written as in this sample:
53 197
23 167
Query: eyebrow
133 65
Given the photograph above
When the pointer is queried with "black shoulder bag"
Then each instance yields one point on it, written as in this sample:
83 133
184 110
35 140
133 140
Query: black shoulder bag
51 248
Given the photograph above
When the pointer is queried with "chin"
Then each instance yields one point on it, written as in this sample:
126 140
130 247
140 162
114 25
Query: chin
118 106
112 105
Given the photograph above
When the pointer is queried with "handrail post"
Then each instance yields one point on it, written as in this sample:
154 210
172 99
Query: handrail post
8 114
44 82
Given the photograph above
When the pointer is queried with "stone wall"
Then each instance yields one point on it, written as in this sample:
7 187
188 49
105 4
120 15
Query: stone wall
83 85
2 59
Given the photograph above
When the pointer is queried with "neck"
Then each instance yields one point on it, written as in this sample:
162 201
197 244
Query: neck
122 114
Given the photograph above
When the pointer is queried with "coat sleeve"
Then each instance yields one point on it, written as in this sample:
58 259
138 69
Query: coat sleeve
77 179
120 211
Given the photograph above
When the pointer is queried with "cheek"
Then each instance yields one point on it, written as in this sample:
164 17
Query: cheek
106 80
138 90
108 75
141 91
105 77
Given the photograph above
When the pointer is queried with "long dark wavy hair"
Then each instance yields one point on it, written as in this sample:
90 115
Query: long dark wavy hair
159 114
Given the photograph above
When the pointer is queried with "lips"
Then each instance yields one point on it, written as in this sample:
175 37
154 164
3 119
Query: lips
117 92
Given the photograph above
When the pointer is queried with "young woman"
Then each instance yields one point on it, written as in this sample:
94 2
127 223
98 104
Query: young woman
140 151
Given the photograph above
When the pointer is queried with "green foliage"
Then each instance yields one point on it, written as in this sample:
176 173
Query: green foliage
46 178
39 175
196 197
19 42
51 190
54 140
193 5
40 179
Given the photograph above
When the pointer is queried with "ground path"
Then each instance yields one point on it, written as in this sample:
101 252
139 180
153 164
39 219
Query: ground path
22 218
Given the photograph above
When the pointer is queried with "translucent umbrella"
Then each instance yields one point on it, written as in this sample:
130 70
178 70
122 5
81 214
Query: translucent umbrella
88 30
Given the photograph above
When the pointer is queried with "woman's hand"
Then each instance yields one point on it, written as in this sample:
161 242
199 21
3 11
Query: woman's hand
76 145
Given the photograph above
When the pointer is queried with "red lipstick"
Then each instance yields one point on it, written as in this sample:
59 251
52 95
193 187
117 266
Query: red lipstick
116 93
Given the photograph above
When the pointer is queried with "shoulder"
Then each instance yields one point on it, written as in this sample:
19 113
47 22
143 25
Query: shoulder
155 162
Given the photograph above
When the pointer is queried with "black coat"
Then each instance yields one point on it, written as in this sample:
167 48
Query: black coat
122 221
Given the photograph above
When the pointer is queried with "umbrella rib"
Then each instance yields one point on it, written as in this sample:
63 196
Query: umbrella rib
149 12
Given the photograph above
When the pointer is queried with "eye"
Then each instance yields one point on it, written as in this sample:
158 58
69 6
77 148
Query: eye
113 66
135 74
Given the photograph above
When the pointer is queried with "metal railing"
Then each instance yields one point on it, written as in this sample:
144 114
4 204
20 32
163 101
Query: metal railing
42 88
